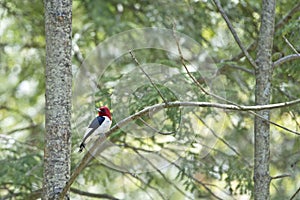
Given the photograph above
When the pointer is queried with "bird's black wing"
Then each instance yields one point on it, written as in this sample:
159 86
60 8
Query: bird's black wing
93 126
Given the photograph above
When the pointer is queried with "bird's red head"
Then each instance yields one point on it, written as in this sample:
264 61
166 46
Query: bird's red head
104 111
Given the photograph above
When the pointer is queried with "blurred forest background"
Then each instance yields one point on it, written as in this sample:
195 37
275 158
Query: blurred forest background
223 171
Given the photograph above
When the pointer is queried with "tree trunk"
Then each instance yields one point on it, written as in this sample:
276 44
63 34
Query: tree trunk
262 177
58 23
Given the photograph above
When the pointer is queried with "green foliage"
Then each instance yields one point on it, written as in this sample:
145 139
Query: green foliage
148 95
238 177
21 168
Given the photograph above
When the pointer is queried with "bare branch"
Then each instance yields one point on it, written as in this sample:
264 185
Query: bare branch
83 163
97 148
273 123
285 59
157 107
88 194
197 181
37 194
251 47
234 34
280 176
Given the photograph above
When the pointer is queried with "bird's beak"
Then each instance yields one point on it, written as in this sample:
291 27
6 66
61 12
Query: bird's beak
98 109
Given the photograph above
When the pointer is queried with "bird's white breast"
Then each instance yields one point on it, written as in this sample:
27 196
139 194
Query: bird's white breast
104 127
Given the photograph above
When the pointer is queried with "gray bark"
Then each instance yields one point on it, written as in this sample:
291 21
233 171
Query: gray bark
262 177
58 23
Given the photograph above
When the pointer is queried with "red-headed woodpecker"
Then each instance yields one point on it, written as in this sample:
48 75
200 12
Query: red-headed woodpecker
99 125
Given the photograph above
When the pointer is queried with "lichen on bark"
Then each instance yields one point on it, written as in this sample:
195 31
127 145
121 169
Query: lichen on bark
58 74
263 74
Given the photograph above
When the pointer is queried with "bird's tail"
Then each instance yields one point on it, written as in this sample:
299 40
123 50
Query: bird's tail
81 147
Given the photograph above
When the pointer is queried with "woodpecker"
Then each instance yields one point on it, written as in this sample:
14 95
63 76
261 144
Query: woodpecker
98 126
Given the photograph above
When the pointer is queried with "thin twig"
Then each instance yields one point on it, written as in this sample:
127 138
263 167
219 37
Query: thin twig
146 184
234 34
182 59
282 22
292 114
156 130
19 112
94 195
280 176
290 45
295 194
249 71
184 65
135 177
149 78
218 137
219 97
32 126
37 194
273 123
197 181
177 166
251 47
162 174
224 141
